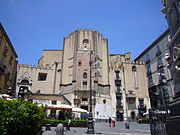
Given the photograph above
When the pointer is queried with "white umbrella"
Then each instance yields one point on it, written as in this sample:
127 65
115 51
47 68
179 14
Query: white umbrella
147 113
60 107
9 99
79 110
5 95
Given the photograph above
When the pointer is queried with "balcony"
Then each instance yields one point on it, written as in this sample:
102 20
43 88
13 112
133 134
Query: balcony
11 58
77 100
8 75
93 101
147 61
119 105
119 90
160 66
148 72
158 53
118 82
84 88
117 78
141 106
2 68
5 51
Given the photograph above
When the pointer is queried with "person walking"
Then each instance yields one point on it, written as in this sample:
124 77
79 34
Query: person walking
113 121
109 120
68 125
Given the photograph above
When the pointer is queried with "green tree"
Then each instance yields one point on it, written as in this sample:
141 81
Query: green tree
20 117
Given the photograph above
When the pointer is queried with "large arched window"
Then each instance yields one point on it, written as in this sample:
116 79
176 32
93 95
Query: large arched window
84 75
134 68
135 76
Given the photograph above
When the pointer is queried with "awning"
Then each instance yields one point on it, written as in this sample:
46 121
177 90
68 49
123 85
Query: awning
67 108
79 110
59 107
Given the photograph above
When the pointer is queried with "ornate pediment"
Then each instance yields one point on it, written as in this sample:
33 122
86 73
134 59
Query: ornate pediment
25 76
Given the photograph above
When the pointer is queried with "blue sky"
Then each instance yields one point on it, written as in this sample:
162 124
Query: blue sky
34 25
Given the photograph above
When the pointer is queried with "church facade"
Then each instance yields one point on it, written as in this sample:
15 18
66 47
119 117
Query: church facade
85 75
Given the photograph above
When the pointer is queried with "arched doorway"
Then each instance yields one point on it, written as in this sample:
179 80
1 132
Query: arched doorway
23 88
119 115
133 116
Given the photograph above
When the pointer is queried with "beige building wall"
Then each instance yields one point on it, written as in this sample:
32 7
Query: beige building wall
112 92
115 64
135 86
124 80
68 60
75 51
49 57
31 74
73 45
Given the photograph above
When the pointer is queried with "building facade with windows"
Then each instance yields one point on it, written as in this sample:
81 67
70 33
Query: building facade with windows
8 64
84 67
130 97
156 65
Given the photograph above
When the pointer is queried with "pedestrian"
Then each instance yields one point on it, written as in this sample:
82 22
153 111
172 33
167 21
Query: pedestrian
113 122
109 121
68 125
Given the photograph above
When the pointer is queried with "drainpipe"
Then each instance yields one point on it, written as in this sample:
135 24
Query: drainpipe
55 72
125 95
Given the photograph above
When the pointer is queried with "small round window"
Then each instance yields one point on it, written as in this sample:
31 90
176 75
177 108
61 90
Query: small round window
85 41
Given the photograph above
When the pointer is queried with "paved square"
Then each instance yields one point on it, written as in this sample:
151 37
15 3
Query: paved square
104 129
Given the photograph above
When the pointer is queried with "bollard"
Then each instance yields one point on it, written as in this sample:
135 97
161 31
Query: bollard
127 125
48 127
60 129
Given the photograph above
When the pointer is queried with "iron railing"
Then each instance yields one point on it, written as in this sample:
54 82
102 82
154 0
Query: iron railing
157 122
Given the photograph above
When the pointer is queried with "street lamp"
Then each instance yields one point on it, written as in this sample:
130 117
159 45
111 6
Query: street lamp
95 66
90 129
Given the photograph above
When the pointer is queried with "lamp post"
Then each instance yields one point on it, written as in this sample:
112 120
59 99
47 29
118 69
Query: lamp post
125 98
90 129
96 66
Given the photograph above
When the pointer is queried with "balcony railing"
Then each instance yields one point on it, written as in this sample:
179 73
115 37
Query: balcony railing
119 91
77 100
117 78
119 104
2 68
158 53
141 106
148 72
147 61
160 66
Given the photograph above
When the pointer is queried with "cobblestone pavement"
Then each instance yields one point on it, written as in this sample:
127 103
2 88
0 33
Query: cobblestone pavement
104 129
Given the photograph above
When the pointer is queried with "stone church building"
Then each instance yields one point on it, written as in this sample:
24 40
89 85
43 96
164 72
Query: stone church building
118 85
